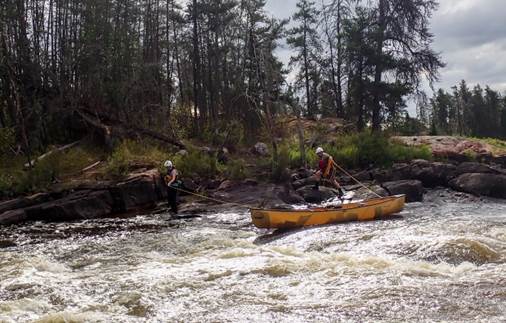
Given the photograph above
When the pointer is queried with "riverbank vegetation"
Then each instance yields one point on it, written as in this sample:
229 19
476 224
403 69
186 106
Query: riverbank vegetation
351 151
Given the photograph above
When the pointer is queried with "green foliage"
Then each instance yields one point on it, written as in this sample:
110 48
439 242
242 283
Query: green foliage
470 155
280 165
7 140
15 180
197 164
360 150
118 163
225 133
130 154
498 146
365 149
236 170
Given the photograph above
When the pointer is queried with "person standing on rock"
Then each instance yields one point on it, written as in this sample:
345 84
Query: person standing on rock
327 169
172 185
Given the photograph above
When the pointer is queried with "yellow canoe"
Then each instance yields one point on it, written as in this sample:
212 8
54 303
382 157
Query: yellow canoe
361 211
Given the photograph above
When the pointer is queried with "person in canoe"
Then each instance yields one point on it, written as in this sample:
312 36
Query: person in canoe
327 170
172 183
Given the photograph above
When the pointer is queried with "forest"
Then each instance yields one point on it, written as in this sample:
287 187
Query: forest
175 70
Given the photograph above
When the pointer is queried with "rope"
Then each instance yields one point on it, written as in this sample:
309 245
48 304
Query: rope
252 207
356 180
213 199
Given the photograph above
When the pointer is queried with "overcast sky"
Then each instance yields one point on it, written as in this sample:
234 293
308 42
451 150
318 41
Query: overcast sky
470 34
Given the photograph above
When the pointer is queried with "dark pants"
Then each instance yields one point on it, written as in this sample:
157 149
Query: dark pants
172 199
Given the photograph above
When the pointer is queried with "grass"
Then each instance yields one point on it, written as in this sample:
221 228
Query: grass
498 145
362 150
16 180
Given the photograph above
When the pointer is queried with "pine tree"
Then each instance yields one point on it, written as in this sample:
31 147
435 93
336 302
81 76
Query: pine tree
303 39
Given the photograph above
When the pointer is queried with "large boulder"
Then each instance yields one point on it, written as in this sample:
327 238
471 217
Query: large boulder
141 190
261 149
290 197
301 174
492 185
13 216
75 206
305 182
396 173
474 167
431 174
313 195
371 192
87 201
413 189
24 202
190 185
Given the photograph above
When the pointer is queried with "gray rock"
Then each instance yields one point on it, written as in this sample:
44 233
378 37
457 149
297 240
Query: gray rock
362 176
431 174
261 149
250 182
312 195
305 182
291 198
474 167
190 185
13 217
24 202
211 184
228 185
365 194
138 192
413 189
76 206
481 184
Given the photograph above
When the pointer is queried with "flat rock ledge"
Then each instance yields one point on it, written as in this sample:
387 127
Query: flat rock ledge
88 201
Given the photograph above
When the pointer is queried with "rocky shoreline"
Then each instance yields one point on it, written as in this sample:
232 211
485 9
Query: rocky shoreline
144 190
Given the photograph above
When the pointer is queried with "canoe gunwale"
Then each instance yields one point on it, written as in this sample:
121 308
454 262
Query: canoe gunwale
358 205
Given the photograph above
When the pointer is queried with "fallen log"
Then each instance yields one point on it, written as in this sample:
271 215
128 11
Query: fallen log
117 128
49 153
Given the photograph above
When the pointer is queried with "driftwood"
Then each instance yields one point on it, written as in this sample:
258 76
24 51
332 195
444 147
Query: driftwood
49 153
108 128
90 167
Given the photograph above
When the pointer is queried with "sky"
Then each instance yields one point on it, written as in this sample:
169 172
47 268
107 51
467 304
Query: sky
469 34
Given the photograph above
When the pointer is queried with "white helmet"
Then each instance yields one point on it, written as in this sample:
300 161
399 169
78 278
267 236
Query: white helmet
168 164
319 150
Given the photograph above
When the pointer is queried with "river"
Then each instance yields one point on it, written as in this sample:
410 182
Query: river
441 260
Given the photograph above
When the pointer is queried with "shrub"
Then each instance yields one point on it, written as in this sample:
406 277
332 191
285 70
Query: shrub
7 140
362 150
197 164
118 163
130 153
236 170
280 165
